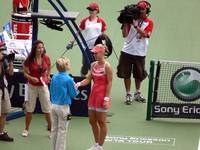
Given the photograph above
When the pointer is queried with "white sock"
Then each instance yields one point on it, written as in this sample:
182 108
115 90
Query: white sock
137 90
128 92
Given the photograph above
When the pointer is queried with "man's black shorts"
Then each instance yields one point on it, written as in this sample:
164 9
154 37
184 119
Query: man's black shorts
131 64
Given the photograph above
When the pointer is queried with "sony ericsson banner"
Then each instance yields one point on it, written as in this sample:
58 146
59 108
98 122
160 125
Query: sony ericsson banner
167 110
16 88
185 84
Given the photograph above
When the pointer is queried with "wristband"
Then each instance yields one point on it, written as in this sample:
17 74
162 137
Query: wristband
106 98
79 84
135 27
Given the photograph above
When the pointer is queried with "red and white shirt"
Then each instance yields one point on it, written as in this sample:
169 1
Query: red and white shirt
92 29
135 44
34 70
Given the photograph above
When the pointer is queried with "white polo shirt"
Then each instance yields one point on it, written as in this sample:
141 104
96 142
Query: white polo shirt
134 43
92 29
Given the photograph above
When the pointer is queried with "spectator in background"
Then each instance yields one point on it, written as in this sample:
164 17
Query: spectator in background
20 5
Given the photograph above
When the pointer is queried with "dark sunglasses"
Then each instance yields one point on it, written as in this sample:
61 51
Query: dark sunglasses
90 9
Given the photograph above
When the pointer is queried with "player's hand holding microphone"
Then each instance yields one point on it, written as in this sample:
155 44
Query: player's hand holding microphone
70 45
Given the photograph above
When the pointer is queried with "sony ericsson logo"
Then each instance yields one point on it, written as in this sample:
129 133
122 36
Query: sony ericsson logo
185 84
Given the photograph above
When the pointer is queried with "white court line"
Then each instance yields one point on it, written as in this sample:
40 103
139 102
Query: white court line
140 140
199 144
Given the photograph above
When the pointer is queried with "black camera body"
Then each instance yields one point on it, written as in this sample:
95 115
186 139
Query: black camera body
9 57
129 13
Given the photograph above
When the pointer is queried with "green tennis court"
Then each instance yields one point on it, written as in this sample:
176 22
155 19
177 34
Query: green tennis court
175 37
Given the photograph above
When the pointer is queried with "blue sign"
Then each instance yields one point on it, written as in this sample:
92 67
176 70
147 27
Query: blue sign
16 89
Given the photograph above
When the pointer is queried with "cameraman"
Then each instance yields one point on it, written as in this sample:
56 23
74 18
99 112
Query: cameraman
5 105
132 58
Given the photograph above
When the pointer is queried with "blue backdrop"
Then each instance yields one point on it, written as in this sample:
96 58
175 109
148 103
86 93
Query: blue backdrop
16 89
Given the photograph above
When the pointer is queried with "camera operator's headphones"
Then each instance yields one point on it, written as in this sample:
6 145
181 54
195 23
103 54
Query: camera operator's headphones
148 8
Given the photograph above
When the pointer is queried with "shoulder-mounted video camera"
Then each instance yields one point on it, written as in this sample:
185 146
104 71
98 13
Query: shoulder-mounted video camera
129 13
132 11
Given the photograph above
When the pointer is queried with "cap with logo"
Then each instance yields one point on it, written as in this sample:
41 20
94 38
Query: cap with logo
93 6
142 4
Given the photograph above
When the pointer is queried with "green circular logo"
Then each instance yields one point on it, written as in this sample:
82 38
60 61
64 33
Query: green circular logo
185 84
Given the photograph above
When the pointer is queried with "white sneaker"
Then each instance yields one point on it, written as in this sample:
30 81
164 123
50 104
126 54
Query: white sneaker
25 133
99 148
94 147
128 99
139 97
50 136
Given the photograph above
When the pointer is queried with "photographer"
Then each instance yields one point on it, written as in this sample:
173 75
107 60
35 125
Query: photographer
132 58
6 66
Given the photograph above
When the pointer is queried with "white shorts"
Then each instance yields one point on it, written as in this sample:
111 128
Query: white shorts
98 109
44 98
